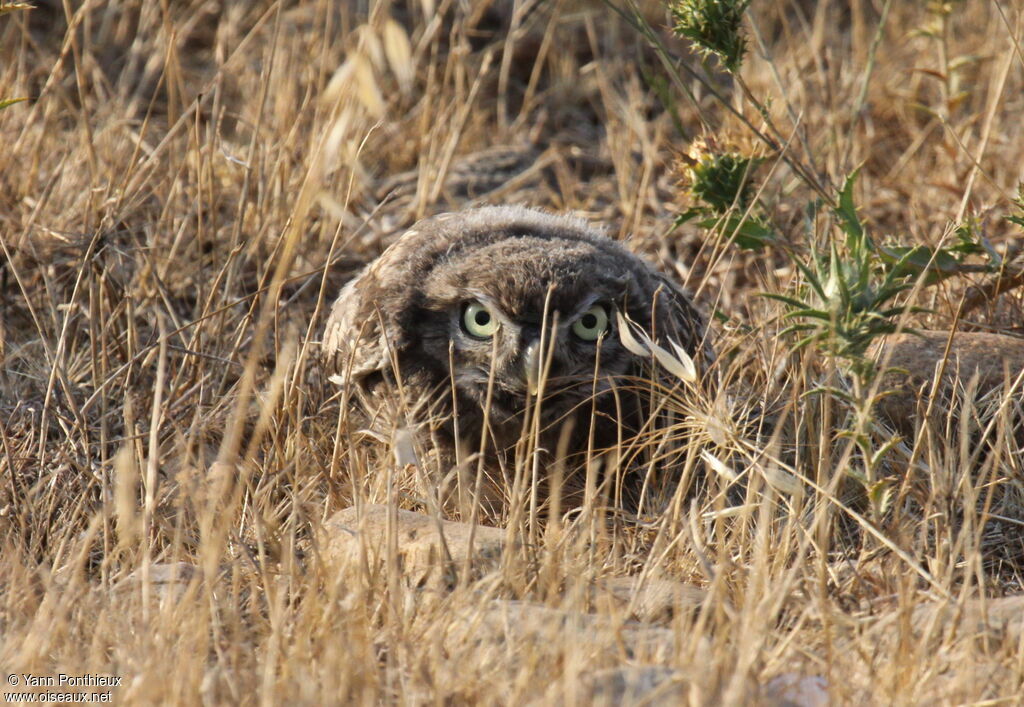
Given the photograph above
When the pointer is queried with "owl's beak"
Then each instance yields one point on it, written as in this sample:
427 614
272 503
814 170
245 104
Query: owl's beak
532 362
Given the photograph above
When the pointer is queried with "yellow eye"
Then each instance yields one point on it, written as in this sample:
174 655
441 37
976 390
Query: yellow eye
478 321
592 324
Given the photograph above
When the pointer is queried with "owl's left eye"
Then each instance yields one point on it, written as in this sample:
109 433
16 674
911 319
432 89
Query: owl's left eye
478 321
592 324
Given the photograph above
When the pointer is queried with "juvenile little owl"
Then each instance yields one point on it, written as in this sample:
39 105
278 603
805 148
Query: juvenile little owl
481 329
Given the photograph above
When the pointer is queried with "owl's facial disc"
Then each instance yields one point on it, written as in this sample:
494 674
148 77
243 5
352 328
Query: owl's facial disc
527 353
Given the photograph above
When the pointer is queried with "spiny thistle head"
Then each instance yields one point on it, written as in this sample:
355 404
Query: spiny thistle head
1018 218
714 26
717 176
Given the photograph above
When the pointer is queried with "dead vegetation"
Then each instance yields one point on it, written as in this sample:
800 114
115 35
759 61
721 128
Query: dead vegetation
190 183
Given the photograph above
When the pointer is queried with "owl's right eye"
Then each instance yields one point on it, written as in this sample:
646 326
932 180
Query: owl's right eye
478 321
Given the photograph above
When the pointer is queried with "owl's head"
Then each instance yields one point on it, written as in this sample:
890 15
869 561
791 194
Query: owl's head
506 303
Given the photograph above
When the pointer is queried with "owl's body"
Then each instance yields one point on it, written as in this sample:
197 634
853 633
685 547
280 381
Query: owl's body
468 319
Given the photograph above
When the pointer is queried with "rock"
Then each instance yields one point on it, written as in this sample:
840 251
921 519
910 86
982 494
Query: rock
630 685
966 644
649 599
507 629
428 550
995 619
797 690
167 579
991 356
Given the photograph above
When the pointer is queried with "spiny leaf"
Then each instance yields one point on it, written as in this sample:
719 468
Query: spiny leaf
1019 203
880 453
847 211
831 391
810 313
799 327
806 341
791 301
918 259
5 102
881 494
747 233
686 216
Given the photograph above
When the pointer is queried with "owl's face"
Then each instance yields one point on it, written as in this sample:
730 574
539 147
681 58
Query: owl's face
540 326
505 305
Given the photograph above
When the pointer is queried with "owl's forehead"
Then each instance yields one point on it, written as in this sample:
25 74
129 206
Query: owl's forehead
524 275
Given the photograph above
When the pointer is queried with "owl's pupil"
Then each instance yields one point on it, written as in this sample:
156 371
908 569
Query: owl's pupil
589 321
482 317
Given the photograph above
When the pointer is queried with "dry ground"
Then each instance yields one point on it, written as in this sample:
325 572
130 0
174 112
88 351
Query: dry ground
191 182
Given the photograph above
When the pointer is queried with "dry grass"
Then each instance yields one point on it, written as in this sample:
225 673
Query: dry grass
191 182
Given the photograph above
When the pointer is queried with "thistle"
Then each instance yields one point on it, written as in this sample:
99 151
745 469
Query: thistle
719 178
714 26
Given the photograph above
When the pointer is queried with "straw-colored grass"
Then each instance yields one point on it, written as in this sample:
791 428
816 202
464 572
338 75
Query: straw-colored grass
190 183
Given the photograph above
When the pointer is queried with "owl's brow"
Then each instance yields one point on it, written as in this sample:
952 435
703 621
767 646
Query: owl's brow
493 307
487 301
585 304
563 320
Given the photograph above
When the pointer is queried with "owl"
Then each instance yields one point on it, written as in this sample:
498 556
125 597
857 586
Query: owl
502 343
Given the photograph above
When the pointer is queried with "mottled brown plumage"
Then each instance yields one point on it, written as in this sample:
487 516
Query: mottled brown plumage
458 303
